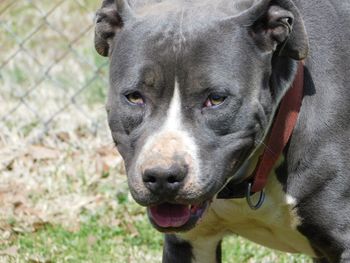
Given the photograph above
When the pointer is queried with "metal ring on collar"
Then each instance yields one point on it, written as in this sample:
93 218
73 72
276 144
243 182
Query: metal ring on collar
249 200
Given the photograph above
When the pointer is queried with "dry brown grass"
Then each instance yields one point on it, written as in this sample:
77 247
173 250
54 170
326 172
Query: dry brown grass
56 153
63 192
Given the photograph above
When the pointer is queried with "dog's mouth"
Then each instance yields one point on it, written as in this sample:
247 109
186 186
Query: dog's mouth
168 217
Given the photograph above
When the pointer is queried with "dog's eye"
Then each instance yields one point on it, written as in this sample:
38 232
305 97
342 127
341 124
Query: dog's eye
214 100
135 98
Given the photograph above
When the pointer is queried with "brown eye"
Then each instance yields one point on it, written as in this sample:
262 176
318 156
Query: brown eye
214 100
135 98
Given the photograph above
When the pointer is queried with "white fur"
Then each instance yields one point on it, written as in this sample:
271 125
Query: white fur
204 249
273 225
290 200
174 124
174 119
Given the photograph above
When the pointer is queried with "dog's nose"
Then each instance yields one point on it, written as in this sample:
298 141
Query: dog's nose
164 181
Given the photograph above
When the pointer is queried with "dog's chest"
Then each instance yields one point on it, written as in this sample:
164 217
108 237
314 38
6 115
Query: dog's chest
273 225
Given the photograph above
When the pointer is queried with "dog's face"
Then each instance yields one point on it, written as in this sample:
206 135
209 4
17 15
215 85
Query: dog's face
192 94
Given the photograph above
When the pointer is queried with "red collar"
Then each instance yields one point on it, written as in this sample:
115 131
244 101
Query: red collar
278 137
281 131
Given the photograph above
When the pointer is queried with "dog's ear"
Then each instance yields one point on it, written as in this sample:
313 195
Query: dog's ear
277 26
110 19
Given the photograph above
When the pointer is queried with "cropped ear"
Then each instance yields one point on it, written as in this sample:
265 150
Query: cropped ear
279 27
110 19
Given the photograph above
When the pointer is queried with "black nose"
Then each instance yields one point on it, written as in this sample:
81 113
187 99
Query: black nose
164 181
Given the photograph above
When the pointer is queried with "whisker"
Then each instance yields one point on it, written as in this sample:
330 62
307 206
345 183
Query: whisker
266 146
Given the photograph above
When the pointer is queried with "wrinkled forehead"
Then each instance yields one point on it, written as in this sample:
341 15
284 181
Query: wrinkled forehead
175 26
165 34
177 38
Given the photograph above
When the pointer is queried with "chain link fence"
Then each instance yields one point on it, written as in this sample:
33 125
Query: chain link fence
50 75
58 163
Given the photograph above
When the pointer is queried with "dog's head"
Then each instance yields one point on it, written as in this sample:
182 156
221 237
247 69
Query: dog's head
193 89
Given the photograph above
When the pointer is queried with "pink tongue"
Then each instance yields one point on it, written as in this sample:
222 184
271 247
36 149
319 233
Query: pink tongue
170 215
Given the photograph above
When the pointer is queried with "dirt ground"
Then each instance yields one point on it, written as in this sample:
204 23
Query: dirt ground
56 153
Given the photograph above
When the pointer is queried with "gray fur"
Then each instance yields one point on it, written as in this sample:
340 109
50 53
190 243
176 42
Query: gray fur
224 44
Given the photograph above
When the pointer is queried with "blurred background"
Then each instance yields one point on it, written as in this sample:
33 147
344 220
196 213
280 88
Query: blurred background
63 191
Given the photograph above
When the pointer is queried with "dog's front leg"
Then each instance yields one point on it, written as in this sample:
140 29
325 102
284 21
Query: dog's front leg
201 250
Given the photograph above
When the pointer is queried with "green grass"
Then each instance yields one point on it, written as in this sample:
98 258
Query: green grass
131 240
93 242
109 231
237 249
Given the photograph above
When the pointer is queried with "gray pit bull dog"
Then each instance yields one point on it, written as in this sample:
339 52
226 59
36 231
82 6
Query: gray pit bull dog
194 88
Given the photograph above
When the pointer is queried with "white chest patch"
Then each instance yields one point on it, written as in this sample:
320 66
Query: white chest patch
273 225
